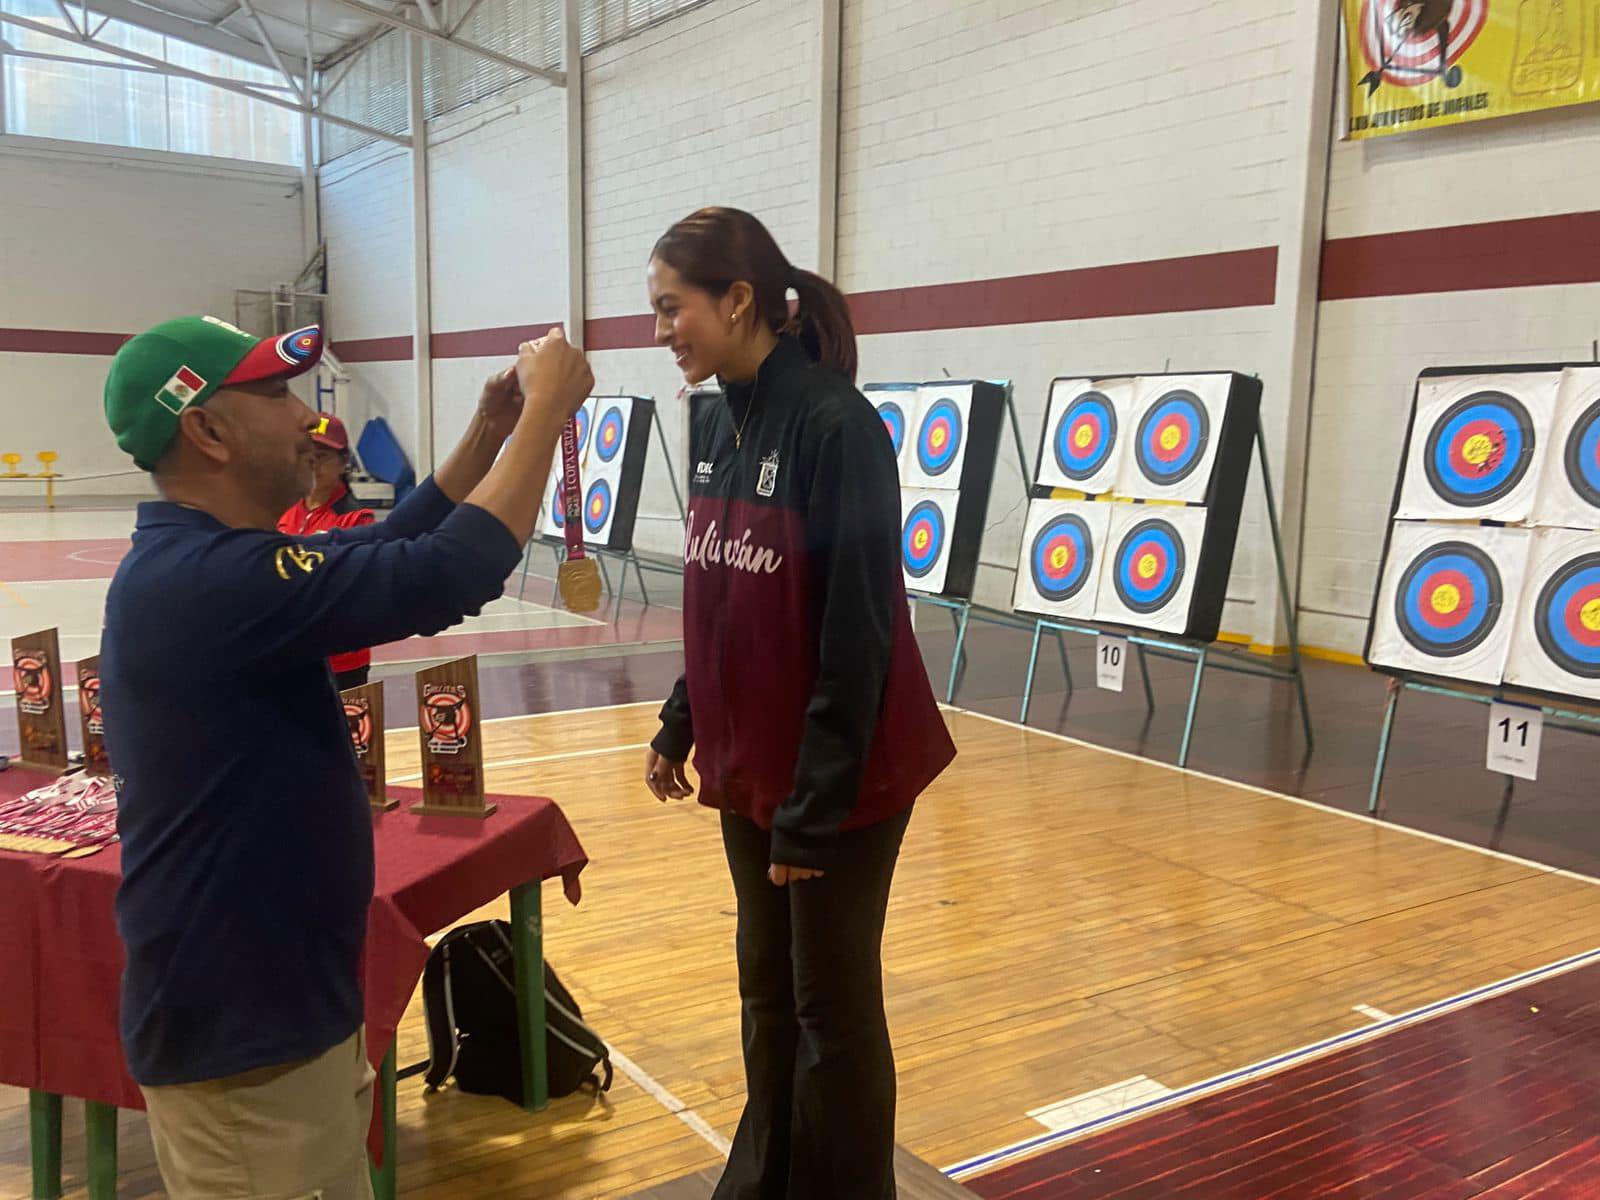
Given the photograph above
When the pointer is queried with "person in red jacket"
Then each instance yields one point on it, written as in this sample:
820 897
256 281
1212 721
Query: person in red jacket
329 505
804 697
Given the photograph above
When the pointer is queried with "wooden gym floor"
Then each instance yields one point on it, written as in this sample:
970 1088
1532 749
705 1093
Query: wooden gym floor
1065 918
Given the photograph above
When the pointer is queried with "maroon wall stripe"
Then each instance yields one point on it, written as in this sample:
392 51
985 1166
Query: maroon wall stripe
1233 279
60 341
485 343
619 333
385 349
1529 252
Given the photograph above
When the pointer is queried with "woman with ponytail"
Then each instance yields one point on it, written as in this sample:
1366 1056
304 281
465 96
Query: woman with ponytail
803 698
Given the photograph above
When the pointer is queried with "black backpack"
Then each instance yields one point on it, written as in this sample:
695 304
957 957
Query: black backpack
469 1000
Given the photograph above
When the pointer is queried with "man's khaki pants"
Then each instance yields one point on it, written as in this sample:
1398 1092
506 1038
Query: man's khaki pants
295 1132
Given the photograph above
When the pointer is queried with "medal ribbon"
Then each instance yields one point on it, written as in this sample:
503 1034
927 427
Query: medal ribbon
571 492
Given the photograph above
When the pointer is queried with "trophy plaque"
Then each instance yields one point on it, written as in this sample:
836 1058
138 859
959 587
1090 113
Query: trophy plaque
41 719
452 745
363 713
95 759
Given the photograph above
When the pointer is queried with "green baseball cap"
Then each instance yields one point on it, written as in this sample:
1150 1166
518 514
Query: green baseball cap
184 362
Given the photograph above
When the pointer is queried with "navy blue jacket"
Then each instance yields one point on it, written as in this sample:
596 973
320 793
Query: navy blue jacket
246 838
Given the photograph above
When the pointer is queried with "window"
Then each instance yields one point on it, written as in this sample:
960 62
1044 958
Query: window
103 98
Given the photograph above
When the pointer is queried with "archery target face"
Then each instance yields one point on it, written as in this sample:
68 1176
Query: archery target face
1172 434
1476 446
1147 572
1555 645
897 408
938 437
1448 599
610 435
1085 434
1059 571
1569 482
928 520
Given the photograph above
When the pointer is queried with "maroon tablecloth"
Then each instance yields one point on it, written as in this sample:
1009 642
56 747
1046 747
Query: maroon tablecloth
61 959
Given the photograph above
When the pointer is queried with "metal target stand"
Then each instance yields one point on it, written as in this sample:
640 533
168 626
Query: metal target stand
628 557
1204 654
964 611
1585 723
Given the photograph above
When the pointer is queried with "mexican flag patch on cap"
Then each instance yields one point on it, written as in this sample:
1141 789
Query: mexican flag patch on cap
179 391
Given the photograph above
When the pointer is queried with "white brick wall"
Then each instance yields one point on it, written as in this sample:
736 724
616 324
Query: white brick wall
1019 137
1370 350
717 106
113 241
982 140
714 107
498 211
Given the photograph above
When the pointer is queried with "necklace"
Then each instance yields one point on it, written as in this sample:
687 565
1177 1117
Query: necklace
738 432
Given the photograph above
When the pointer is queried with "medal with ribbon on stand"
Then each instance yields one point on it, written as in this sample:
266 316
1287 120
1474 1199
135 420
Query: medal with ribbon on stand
578 577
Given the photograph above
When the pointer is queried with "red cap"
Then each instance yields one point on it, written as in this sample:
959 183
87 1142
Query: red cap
330 432
279 357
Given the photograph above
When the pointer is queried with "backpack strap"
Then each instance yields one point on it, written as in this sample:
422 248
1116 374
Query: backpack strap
438 1005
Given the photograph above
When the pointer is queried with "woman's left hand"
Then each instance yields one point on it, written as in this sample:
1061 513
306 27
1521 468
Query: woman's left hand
500 405
780 874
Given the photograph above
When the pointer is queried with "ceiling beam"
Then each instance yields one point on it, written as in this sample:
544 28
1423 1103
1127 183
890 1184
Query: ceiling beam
194 32
505 60
272 51
177 72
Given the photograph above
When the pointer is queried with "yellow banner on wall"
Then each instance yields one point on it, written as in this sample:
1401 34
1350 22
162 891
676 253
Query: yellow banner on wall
1415 64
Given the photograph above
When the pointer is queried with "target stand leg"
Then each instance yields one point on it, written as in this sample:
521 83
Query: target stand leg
958 659
1033 666
638 573
1194 702
1144 674
1395 688
555 587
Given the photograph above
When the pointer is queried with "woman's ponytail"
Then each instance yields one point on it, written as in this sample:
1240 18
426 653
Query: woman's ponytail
822 321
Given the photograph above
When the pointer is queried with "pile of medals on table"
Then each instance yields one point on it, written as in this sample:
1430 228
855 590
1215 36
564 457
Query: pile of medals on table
69 817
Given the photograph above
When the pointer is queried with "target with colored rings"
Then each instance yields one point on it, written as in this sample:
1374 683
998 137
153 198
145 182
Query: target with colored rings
1449 598
1085 436
894 421
1172 437
582 417
1149 565
1583 455
939 439
1479 449
608 434
1567 617
299 346
922 538
558 511
1061 560
597 506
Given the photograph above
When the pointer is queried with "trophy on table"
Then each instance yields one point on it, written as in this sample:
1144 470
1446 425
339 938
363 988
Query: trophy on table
41 719
452 744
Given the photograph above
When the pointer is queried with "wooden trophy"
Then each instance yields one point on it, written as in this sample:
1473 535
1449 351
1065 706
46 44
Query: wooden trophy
452 746
363 712
95 759
41 719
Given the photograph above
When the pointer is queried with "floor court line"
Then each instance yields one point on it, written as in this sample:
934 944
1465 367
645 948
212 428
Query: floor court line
537 758
1364 818
1270 1066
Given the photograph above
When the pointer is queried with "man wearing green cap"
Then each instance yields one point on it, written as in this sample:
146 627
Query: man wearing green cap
246 838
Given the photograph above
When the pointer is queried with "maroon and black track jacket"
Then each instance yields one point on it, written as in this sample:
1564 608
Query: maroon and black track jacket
804 697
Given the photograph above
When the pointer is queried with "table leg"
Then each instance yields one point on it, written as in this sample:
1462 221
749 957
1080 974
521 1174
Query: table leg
44 1136
100 1133
527 943
383 1178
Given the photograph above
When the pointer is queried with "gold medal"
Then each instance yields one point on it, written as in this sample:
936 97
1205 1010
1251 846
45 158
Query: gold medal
579 581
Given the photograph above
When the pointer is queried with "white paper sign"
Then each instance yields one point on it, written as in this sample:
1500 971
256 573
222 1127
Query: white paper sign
1110 661
1515 731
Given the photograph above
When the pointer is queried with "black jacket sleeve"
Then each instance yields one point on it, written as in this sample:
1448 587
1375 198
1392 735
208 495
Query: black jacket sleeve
676 738
853 538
